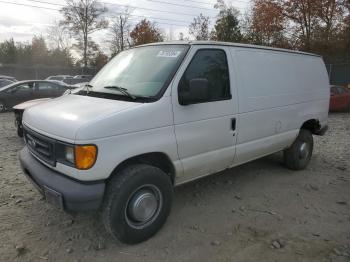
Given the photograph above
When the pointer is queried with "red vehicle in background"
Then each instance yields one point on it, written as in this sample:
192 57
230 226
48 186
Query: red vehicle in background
340 99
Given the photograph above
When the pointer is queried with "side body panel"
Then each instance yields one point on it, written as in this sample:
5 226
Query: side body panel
277 93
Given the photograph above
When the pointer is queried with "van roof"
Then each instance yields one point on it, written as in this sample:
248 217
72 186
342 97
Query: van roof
218 43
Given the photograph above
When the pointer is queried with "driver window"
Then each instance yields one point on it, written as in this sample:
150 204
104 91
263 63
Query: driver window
209 64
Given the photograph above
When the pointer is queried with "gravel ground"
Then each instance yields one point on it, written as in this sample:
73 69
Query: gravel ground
259 211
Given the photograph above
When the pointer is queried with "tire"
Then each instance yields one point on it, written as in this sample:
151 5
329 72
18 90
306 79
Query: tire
298 156
120 213
2 107
19 131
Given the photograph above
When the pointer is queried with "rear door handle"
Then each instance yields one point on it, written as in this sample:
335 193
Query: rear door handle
233 124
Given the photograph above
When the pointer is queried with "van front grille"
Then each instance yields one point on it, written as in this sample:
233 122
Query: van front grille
40 146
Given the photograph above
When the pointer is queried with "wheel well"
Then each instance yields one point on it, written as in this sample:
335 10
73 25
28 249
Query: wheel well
313 125
157 159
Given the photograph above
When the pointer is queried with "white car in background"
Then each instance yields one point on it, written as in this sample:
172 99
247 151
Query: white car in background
19 109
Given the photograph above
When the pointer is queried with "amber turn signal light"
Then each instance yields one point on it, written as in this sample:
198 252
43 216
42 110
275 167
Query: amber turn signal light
85 156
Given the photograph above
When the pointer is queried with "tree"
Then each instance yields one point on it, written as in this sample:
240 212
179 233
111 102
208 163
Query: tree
303 14
267 24
84 17
35 53
40 52
227 26
58 57
8 52
145 32
100 60
119 32
327 32
330 13
199 28
92 51
58 36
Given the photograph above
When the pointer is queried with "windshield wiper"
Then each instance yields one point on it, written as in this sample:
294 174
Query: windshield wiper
121 90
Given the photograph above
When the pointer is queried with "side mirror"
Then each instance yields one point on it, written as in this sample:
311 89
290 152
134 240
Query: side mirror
198 92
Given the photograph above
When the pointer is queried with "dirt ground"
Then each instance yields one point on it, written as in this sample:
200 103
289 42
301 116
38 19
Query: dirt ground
256 212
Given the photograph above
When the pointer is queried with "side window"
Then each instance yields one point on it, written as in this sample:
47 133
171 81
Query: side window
46 86
22 87
334 90
209 64
5 82
343 90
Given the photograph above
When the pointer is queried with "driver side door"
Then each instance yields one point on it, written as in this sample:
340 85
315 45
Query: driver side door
205 131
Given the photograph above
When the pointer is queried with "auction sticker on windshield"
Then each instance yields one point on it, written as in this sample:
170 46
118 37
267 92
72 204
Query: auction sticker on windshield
171 53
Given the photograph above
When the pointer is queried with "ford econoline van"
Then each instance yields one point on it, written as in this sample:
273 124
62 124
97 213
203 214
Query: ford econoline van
164 114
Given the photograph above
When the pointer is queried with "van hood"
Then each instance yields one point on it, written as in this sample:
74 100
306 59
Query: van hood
62 117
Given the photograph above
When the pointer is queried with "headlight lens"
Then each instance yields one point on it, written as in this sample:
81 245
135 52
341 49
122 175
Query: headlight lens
69 154
85 156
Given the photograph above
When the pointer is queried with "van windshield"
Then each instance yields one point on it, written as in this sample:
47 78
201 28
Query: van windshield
142 71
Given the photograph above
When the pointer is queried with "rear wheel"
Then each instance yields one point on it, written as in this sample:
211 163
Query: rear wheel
298 156
2 107
137 203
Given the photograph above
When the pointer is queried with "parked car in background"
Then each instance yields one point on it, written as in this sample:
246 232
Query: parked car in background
59 77
87 77
22 91
74 81
6 80
340 99
19 109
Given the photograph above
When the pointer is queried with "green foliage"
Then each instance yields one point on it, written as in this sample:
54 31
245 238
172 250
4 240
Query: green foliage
199 28
32 54
8 52
227 27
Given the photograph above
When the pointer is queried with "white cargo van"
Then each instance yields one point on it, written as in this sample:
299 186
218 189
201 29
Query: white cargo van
160 115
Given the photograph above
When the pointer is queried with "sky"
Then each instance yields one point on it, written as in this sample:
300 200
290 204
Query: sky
172 16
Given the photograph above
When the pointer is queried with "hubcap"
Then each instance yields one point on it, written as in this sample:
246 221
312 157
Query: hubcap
304 151
143 206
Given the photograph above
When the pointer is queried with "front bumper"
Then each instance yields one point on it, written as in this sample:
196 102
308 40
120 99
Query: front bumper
58 189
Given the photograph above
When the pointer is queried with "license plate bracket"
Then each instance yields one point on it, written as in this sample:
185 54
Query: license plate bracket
53 197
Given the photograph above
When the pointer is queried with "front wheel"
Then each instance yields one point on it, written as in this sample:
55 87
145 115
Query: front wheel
298 156
137 203
19 131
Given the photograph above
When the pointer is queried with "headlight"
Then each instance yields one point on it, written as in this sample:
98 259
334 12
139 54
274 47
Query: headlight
78 156
69 154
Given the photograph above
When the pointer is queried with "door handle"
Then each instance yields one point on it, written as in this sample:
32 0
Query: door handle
233 124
